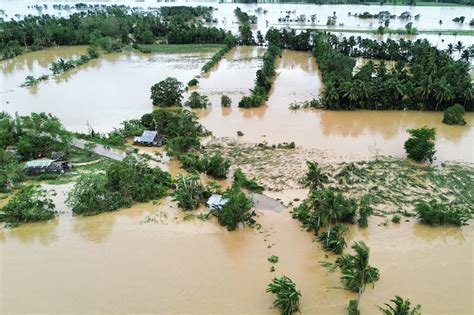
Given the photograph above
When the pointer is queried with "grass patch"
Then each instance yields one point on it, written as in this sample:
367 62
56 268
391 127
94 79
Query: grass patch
178 49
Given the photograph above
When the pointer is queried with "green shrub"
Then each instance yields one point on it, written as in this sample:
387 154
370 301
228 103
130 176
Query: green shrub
214 165
11 171
250 184
197 100
273 259
193 82
421 144
287 297
189 192
225 101
30 204
396 218
434 213
454 115
402 307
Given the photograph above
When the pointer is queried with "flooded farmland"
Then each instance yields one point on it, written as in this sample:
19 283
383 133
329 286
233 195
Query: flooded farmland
154 258
147 260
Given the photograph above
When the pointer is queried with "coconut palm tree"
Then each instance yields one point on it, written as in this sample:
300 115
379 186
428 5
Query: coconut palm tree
459 47
402 307
442 91
315 178
450 49
288 298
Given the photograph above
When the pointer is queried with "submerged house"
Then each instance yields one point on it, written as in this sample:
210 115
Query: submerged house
216 202
149 137
37 167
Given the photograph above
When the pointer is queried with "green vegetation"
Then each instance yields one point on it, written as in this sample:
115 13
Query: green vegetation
402 307
61 66
189 191
225 101
434 213
264 80
355 269
238 209
10 170
214 165
396 218
123 183
30 204
110 28
32 81
273 259
421 144
243 182
454 115
333 241
287 297
230 42
193 82
246 36
167 93
197 100
315 177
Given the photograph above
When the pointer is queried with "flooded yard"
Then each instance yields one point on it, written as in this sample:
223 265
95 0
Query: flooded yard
146 259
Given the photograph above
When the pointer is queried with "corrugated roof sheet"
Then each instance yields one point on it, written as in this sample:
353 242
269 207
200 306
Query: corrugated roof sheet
39 163
216 201
148 136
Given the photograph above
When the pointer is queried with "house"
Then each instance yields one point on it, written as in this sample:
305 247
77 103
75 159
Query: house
216 202
150 138
37 167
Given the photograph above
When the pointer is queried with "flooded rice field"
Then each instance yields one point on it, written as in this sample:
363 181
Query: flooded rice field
115 86
146 259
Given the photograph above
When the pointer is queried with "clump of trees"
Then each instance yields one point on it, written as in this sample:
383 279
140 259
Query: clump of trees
264 80
287 296
32 81
225 101
401 307
421 144
197 100
214 165
246 35
434 213
30 204
454 115
123 183
61 66
167 93
237 210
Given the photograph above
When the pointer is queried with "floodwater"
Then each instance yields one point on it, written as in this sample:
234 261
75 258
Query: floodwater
102 93
146 259
351 133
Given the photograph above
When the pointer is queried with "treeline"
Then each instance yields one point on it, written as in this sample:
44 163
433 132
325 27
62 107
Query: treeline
264 80
231 42
421 78
109 29
245 31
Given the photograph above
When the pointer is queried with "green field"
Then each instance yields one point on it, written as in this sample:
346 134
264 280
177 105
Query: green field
178 49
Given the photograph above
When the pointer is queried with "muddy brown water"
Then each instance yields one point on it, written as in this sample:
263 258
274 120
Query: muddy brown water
146 259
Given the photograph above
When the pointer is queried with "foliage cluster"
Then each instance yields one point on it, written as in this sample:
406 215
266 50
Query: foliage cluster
61 66
435 213
421 144
212 165
231 42
454 115
197 100
244 182
167 93
238 209
287 296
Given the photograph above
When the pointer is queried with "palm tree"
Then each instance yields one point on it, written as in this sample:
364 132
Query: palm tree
351 92
465 55
402 307
331 94
288 298
450 49
442 91
315 178
459 47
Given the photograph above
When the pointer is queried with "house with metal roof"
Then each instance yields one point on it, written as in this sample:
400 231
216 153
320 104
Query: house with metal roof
216 202
37 167
150 138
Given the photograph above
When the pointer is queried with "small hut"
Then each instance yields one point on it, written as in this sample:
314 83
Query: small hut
38 167
149 138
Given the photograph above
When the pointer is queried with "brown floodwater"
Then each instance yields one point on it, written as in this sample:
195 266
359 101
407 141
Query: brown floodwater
147 259
342 133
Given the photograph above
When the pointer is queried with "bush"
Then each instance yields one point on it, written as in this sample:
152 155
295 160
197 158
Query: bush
189 192
226 101
167 93
214 165
333 239
10 170
454 115
434 213
193 82
287 297
250 184
238 209
396 218
197 100
421 144
28 205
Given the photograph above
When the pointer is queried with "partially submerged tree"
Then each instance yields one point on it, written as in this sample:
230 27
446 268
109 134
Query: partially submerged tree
315 177
225 101
197 100
421 144
434 213
333 241
287 296
189 191
401 307
167 93
30 204
237 209
454 115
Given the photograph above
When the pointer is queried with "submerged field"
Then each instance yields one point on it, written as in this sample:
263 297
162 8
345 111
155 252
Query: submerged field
154 258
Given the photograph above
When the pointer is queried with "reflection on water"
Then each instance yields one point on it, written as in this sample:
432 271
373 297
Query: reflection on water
356 133
116 263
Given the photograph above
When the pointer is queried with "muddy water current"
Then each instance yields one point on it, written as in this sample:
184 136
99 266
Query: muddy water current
146 259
